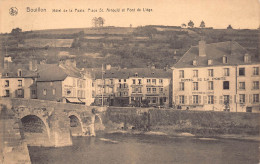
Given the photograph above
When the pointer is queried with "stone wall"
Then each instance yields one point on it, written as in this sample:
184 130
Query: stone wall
196 122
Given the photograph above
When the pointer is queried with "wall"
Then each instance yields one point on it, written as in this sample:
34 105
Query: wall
49 86
197 122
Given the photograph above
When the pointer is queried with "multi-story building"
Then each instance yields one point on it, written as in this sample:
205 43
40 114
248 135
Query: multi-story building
122 87
218 76
18 81
64 82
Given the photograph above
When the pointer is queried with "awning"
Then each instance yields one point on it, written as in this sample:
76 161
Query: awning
74 101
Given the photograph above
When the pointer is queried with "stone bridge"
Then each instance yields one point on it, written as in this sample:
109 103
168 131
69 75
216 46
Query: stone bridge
47 123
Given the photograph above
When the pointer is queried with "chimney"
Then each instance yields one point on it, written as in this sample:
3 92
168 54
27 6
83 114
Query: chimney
32 65
108 67
202 48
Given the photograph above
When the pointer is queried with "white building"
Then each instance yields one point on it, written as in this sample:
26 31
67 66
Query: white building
123 87
218 76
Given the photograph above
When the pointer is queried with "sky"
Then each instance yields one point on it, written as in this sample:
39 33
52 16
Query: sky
243 14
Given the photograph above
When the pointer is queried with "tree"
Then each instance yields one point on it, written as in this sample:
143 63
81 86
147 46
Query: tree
202 24
229 27
16 31
101 21
183 25
95 21
191 24
17 34
98 22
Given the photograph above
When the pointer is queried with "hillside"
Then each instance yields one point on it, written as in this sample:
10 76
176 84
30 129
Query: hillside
123 46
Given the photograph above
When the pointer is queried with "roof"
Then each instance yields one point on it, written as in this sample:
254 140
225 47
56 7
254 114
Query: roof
13 68
55 72
215 52
132 72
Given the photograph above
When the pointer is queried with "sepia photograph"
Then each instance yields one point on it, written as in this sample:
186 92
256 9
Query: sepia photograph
129 82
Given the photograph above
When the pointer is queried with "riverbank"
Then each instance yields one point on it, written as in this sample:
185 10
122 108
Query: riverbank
200 124
185 134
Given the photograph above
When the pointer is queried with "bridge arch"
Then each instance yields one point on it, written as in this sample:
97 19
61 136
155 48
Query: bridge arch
76 125
33 126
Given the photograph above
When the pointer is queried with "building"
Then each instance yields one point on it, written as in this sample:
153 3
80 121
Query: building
64 82
18 81
124 87
218 76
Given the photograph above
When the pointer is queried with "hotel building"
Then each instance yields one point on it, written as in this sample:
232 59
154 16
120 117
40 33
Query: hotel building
219 76
123 87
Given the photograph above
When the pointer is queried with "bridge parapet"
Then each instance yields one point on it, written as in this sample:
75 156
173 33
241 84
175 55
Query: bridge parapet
55 117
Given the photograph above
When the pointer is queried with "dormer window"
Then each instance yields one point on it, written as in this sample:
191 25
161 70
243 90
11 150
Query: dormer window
225 59
136 74
210 62
247 58
195 62
7 74
19 72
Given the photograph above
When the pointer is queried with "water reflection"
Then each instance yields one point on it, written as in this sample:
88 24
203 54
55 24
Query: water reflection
143 149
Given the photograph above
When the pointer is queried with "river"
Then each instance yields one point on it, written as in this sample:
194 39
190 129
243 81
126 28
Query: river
148 149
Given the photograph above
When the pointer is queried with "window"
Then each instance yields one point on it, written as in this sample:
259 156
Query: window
181 99
181 86
161 81
153 99
44 92
33 92
225 84
242 85
210 99
226 71
53 91
154 90
210 72
133 90
181 74
161 90
195 99
226 99
133 81
210 62
139 90
148 81
210 85
136 74
139 81
195 86
255 84
148 90
19 73
194 62
256 71
7 93
225 59
255 98
125 80
242 98
119 80
241 71
195 73
6 83
154 81
20 83
19 93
